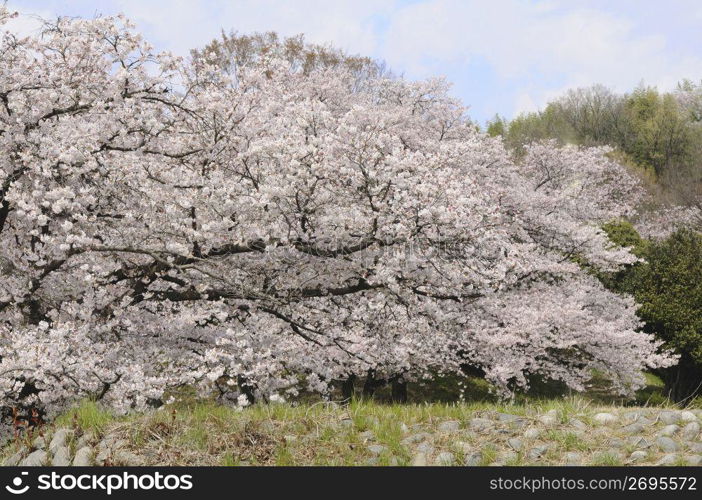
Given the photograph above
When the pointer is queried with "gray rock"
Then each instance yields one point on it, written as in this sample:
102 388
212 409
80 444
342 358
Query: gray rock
578 424
639 442
505 458
633 416
669 417
103 456
669 430
573 458
106 443
35 459
377 449
690 431
419 460
536 452
62 457
372 461
515 443
367 435
688 416
532 433
415 438
463 446
605 418
425 448
14 459
473 459
549 419
88 438
393 462
445 458
346 422
694 447
39 443
126 458
449 426
506 417
668 459
693 459
638 456
403 428
617 443
635 428
59 439
666 444
83 457
512 420
480 424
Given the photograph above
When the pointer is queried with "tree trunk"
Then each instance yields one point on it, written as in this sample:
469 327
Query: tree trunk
683 382
370 384
347 388
246 389
399 390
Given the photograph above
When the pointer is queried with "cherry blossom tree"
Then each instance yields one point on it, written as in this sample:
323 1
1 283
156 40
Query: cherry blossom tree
164 224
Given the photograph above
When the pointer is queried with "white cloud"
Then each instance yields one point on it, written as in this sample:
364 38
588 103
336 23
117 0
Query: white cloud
28 22
536 48
547 41
183 24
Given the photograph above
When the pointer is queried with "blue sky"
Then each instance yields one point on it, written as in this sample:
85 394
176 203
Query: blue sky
503 56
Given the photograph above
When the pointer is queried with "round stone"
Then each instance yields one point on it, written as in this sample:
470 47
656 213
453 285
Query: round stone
549 420
35 459
669 417
688 416
605 418
480 424
668 459
449 426
83 457
669 430
367 435
536 452
515 443
62 457
377 449
419 460
691 430
425 448
473 459
445 458
666 444
532 433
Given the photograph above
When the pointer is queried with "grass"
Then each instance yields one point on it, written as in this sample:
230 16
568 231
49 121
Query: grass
87 416
195 432
566 440
606 458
